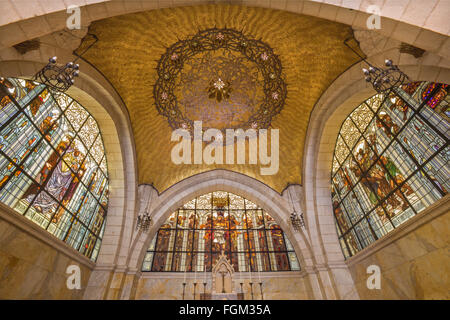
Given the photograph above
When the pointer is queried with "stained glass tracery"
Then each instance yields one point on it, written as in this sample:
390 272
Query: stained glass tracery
391 161
52 163
193 237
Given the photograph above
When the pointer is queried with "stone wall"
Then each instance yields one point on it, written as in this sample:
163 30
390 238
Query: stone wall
414 260
278 287
33 263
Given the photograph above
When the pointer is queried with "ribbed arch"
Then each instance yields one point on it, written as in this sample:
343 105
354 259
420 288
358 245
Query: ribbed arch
53 167
390 162
193 237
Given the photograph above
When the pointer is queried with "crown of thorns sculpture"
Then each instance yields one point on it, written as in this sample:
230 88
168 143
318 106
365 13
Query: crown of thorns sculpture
171 64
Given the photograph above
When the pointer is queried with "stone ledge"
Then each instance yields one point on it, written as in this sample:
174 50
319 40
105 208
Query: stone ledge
21 222
440 207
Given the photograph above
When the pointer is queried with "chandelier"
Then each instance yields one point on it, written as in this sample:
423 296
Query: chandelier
385 79
382 79
144 221
219 49
59 78
297 221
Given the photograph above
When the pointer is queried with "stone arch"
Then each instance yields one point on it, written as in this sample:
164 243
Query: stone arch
119 149
345 94
165 203
420 23
194 186
416 25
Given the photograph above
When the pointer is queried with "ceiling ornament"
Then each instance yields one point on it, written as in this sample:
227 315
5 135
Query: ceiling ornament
221 77
310 49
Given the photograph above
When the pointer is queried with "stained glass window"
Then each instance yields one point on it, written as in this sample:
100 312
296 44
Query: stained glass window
52 163
391 161
193 237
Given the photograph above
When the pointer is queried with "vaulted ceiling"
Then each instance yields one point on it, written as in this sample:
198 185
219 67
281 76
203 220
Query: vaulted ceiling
311 51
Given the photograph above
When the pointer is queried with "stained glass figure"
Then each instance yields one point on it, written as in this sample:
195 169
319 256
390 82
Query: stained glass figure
217 221
53 167
391 161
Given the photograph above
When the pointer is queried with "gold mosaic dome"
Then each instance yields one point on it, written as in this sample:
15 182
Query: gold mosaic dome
311 52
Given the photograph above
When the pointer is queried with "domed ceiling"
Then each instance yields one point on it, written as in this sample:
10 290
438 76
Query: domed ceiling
246 68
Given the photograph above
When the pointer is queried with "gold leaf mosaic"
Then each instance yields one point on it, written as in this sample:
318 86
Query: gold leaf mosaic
311 51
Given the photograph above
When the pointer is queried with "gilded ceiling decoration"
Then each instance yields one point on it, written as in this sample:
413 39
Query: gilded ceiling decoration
310 50
221 77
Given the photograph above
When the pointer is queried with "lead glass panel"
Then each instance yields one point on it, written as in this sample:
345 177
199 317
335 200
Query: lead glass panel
398 166
53 168
217 221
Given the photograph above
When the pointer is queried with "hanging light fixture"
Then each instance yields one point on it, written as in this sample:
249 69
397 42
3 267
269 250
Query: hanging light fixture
385 79
59 78
297 220
382 79
144 221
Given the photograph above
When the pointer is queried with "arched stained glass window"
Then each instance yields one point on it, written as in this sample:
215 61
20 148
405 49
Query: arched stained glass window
193 237
391 161
52 163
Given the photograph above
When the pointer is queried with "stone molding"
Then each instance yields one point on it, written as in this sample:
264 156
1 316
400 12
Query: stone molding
342 96
9 215
94 92
348 88
440 207
163 205
415 22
